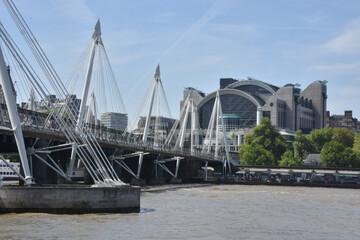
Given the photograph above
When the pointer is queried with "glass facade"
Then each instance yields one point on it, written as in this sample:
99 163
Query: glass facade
261 92
238 111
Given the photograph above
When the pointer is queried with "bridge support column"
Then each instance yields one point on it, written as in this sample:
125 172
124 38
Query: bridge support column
14 117
141 158
72 160
177 167
258 116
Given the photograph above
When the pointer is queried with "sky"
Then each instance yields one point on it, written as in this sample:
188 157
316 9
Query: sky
197 42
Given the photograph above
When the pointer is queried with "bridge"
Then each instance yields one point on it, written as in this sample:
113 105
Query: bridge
72 129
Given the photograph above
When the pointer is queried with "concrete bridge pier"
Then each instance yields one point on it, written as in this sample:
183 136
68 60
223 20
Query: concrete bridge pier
69 199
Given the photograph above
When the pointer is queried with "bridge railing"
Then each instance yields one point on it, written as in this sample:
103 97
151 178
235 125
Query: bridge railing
41 121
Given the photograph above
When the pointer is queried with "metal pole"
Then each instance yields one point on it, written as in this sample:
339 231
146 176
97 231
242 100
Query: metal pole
192 127
177 167
72 159
147 123
141 157
258 116
225 138
96 39
14 118
217 126
183 127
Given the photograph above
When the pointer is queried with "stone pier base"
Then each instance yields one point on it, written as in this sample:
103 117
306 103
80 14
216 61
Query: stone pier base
69 199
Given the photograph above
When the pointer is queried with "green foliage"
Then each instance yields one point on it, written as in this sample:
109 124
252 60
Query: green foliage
302 145
12 158
356 149
319 137
335 154
350 157
287 159
356 146
255 154
344 136
267 136
47 112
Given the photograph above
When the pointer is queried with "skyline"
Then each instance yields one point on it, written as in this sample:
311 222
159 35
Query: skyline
198 42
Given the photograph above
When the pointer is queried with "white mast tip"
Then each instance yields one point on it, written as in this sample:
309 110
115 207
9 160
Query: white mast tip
157 72
97 31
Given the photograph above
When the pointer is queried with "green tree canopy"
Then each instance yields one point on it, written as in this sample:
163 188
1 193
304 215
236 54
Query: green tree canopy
255 154
335 154
287 159
319 137
356 146
267 136
344 136
356 149
302 145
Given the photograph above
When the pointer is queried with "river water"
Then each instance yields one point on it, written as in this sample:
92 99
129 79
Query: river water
211 212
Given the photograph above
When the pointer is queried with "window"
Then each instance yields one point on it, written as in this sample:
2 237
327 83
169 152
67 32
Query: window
266 114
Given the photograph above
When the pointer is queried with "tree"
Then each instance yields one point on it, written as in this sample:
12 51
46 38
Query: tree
331 154
12 157
319 137
302 145
345 136
287 159
255 154
350 158
335 154
356 149
356 146
268 137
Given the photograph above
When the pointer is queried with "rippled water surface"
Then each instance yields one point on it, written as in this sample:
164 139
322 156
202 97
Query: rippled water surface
213 212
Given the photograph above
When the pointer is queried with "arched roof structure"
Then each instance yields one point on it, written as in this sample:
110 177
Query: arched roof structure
239 108
272 89
227 91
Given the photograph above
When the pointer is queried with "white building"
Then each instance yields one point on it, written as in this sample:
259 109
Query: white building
114 120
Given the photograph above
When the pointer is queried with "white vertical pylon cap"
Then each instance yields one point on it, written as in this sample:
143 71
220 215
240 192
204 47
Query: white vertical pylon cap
97 32
157 72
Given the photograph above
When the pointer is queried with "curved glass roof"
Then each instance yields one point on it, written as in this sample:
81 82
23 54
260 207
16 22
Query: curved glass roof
256 88
236 106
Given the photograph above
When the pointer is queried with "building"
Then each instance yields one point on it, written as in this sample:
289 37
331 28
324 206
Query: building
113 120
343 121
157 126
245 102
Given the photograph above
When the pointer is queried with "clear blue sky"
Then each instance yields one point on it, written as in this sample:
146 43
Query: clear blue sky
197 42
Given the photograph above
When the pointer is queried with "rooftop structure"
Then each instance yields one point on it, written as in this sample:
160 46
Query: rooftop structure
343 121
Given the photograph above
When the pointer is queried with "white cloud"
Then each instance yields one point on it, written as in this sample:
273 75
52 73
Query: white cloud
347 42
75 9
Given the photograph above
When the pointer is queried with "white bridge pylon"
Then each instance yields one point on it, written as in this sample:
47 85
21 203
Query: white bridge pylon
96 37
157 84
217 121
156 95
14 119
178 131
